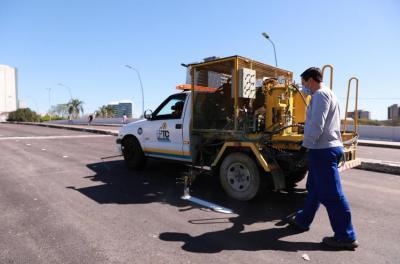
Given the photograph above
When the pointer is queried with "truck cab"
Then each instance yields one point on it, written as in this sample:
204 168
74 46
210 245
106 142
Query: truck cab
163 133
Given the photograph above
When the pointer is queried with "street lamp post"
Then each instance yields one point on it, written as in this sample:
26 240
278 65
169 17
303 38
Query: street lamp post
67 87
265 35
141 85
49 89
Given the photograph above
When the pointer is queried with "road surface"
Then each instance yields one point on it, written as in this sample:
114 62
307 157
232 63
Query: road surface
63 201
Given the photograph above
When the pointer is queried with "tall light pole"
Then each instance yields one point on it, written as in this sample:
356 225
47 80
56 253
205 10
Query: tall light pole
65 86
265 35
141 85
49 89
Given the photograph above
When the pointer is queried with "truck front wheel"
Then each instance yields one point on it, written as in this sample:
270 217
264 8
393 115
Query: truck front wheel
133 154
240 176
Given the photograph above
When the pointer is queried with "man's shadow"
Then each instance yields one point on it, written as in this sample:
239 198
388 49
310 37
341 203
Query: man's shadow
232 239
273 206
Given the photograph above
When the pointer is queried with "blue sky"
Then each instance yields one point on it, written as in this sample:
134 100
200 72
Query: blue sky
85 45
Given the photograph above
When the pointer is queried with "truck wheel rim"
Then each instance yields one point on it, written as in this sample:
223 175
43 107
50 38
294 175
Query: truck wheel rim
238 177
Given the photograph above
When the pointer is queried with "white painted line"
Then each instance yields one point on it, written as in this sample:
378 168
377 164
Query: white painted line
28 144
65 157
55 137
43 149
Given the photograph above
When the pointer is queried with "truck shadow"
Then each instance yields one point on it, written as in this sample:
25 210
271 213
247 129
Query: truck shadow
157 184
124 186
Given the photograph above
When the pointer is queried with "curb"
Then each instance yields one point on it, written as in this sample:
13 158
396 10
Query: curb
380 166
90 130
378 145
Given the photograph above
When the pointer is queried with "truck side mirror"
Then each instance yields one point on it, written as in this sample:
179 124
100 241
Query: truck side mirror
148 114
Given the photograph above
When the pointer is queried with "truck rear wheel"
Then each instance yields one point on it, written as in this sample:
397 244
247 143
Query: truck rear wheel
133 154
240 176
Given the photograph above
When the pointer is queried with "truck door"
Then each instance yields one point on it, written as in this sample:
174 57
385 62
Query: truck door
163 136
186 128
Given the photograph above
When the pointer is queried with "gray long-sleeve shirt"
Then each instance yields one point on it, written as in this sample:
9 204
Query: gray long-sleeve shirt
322 125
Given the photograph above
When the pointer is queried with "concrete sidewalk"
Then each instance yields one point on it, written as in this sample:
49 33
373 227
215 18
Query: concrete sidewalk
391 167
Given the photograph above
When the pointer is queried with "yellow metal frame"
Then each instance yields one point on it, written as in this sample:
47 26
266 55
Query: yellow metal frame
249 145
331 79
355 128
236 61
236 92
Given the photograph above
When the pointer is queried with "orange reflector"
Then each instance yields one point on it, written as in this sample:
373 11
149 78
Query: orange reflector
196 88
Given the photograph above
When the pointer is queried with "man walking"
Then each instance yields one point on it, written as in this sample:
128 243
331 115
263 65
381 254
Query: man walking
323 140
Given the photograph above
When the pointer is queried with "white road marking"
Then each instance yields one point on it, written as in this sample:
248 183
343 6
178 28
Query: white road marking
43 149
55 137
28 144
65 156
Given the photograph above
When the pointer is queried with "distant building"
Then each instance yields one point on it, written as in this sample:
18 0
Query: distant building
8 89
361 114
121 108
393 112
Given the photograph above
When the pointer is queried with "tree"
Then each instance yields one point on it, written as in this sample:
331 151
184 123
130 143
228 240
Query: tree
24 115
105 111
59 110
110 111
74 107
101 112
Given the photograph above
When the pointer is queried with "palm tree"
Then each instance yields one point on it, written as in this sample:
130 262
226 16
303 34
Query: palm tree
101 112
74 107
105 111
110 111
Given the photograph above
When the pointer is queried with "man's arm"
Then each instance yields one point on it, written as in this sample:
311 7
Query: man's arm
320 109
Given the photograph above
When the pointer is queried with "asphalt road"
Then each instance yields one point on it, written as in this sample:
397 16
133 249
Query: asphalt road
60 202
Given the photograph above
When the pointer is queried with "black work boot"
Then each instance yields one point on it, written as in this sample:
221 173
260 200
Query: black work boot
293 223
340 244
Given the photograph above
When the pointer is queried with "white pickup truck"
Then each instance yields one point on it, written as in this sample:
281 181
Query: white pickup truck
241 118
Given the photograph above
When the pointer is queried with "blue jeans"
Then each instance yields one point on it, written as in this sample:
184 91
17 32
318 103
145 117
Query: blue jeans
323 186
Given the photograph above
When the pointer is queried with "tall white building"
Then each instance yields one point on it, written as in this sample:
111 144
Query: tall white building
8 89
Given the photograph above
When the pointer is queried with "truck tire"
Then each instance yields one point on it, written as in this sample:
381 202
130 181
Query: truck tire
240 176
133 153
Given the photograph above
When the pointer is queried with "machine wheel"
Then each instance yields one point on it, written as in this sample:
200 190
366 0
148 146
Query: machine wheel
133 154
240 176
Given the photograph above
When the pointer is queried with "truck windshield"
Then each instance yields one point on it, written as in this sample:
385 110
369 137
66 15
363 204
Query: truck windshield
171 108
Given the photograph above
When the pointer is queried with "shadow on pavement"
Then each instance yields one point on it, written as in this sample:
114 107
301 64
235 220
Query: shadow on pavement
123 186
234 239
157 184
